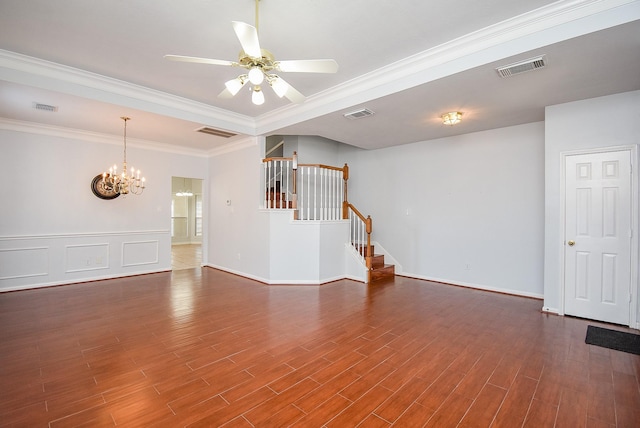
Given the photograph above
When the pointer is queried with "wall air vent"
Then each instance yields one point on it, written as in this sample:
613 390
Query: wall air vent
522 66
358 114
45 107
216 132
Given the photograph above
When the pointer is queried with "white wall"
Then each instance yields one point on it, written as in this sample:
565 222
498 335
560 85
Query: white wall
313 149
465 210
305 252
595 123
53 230
238 239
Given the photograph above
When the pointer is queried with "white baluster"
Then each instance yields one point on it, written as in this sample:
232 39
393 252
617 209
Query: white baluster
315 192
266 184
302 195
287 186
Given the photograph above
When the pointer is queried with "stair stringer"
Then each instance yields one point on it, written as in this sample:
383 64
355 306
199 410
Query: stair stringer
388 258
355 266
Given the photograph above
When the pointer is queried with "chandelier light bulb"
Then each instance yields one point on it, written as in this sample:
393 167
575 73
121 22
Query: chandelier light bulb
256 76
257 97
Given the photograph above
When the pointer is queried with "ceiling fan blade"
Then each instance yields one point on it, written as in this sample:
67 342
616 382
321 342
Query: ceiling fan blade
283 89
308 66
248 36
198 60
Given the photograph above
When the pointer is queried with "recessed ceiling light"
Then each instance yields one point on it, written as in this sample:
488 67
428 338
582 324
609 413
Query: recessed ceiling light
451 118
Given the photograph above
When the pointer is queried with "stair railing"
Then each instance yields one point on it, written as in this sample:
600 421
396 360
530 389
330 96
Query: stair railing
360 234
279 182
321 192
317 192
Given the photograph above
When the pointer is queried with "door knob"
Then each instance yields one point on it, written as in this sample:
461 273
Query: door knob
571 243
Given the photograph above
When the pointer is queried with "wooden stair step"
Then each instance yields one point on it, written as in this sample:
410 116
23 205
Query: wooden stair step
377 261
387 271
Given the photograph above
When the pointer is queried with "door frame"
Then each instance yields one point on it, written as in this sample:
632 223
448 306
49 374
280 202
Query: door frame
205 214
635 262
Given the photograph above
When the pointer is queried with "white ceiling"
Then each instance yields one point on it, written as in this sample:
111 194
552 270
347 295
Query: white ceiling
408 61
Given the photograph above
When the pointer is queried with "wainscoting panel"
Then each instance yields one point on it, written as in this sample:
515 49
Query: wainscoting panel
32 261
87 257
139 253
24 262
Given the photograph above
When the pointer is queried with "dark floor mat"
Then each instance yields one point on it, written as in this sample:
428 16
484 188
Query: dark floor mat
613 339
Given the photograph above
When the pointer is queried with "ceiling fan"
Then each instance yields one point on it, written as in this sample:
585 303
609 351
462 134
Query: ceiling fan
261 65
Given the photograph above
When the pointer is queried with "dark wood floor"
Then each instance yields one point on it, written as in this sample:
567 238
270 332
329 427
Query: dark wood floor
200 347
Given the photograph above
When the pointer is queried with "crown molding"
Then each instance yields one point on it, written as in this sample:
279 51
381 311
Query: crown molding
463 53
94 137
37 72
549 24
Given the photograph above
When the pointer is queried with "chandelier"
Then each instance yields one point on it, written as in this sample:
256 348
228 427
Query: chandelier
123 184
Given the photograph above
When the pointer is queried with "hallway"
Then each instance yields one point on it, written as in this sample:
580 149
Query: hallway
186 256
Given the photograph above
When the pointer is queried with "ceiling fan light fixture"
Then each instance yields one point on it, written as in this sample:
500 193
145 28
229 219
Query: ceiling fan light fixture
451 118
257 97
256 76
258 63
234 85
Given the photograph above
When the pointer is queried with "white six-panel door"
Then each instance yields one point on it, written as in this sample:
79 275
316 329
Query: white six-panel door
598 236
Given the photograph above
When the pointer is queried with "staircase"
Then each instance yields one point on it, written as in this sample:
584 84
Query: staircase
378 270
318 192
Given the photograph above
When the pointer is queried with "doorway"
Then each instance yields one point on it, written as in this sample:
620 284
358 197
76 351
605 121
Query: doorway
598 206
186 223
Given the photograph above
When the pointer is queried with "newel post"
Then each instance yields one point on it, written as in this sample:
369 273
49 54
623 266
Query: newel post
345 201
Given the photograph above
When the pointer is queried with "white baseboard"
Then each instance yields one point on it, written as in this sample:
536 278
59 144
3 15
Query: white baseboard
475 286
549 310
80 281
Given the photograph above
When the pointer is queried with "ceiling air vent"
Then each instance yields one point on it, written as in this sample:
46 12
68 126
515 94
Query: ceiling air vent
358 114
522 66
216 132
45 107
